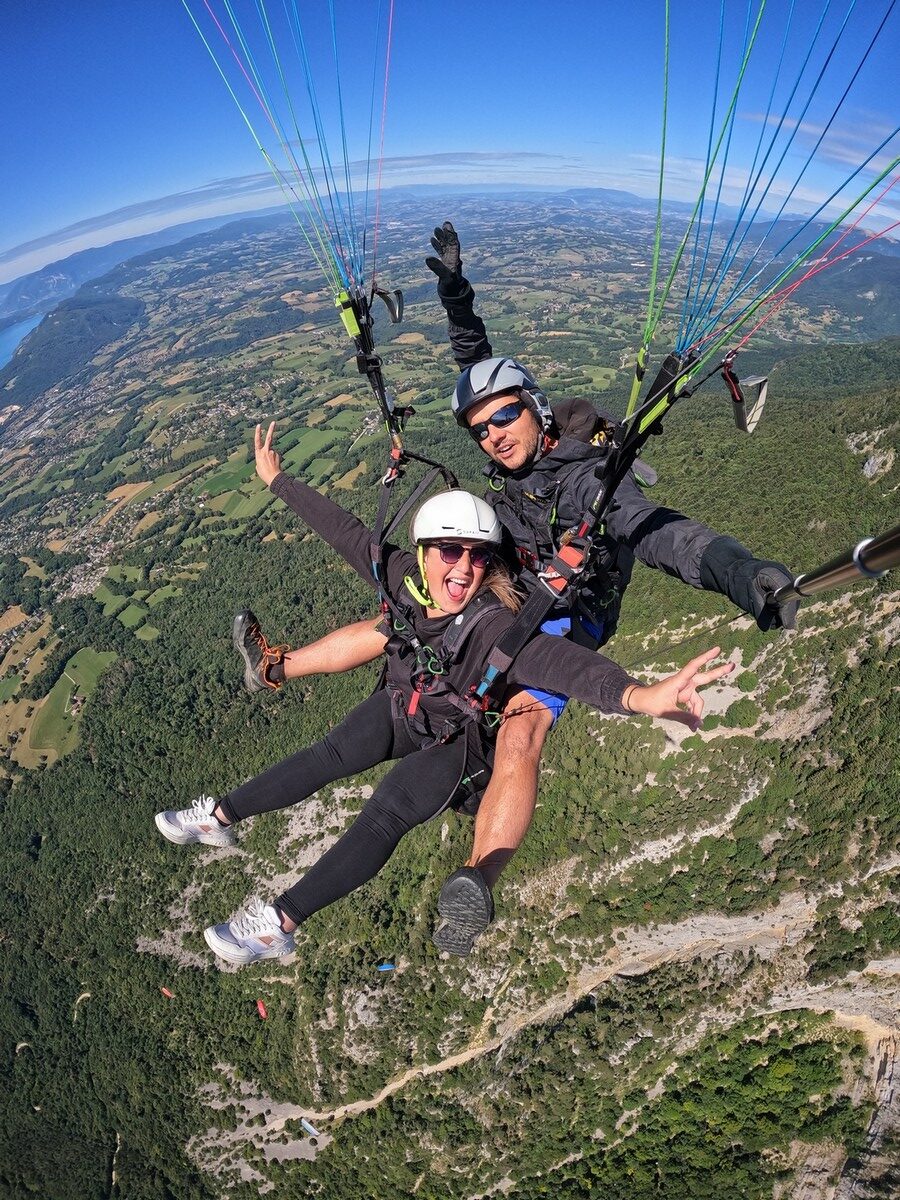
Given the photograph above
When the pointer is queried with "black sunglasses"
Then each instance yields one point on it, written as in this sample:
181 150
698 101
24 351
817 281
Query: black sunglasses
500 419
452 552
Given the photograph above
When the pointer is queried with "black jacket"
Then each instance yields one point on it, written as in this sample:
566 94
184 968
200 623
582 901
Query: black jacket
545 662
539 503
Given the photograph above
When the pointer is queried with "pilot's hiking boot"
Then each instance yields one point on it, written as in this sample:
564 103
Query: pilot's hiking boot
195 824
255 933
467 907
263 664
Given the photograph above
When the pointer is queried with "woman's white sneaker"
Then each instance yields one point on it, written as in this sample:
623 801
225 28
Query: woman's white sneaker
255 933
195 824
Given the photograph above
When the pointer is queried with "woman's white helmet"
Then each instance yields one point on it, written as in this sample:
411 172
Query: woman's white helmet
455 514
492 377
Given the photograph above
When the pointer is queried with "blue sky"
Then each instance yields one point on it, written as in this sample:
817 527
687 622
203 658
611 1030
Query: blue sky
116 122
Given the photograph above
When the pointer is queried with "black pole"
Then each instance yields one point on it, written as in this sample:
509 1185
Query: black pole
868 560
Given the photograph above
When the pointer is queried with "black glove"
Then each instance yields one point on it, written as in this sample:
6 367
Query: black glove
452 284
730 568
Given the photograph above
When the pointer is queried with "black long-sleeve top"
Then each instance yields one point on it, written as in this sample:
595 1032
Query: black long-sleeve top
546 662
538 503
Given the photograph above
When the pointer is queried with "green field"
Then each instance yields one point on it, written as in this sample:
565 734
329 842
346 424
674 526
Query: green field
319 469
147 633
346 420
311 442
186 448
8 686
123 574
162 593
133 615
112 602
242 506
163 481
226 480
55 728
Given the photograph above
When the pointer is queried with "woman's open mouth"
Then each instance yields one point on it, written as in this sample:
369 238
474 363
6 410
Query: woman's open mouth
456 588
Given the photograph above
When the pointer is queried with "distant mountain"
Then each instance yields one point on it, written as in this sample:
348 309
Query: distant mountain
42 290
64 343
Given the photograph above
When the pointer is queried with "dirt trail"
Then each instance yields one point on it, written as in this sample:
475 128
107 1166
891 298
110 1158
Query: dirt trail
867 1001
646 950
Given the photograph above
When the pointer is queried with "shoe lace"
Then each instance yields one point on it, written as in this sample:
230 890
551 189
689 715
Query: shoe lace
202 807
271 654
253 919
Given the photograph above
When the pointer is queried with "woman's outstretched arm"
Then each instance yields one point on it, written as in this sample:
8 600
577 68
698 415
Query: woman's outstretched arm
559 665
340 529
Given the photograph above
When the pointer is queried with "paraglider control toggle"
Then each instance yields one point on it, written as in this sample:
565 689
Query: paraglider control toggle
745 418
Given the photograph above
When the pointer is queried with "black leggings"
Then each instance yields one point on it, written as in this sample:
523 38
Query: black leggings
418 788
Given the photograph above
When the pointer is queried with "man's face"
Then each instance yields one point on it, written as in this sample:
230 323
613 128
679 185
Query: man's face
514 445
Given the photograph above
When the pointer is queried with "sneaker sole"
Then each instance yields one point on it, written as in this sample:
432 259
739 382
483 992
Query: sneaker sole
251 683
172 834
235 956
463 923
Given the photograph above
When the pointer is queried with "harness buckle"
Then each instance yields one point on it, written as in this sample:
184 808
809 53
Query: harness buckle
568 564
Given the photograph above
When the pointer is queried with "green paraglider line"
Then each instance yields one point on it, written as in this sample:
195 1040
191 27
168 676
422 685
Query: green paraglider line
641 365
656 307
387 69
358 266
328 241
724 335
296 27
369 138
334 236
331 272
739 288
780 297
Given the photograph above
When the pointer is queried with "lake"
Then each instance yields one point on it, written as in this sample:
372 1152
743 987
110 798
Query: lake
12 336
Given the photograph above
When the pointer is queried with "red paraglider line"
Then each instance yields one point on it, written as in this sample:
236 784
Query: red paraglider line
775 302
387 68
238 60
777 299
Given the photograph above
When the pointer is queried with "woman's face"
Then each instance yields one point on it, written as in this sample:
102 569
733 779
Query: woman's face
453 584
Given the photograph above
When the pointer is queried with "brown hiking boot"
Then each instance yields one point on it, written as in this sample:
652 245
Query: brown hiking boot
259 657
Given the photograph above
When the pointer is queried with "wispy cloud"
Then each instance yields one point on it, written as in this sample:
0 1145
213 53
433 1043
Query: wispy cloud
846 144
636 173
247 193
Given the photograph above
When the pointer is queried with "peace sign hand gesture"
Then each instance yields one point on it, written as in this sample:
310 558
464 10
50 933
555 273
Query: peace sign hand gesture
268 461
676 697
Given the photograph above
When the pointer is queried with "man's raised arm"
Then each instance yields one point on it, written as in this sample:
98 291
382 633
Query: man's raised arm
468 336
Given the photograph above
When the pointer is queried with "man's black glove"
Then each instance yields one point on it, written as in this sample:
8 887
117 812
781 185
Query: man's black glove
452 284
730 568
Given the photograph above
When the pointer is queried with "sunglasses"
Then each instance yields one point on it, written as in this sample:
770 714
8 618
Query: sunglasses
452 552
500 419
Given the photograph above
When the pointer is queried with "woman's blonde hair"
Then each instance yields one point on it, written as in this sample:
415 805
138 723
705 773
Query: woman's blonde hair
498 579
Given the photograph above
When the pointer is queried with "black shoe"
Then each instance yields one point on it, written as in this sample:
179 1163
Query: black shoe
259 657
467 907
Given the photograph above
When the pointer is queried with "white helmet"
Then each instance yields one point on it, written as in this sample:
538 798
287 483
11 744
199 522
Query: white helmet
493 376
455 514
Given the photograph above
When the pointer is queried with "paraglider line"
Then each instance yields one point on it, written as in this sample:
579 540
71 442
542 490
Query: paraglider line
387 68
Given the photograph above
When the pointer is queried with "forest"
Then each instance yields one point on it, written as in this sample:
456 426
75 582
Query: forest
574 1079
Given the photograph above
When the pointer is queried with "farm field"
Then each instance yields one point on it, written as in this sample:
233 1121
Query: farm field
54 730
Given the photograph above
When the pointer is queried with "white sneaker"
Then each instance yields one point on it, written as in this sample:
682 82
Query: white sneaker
195 824
255 933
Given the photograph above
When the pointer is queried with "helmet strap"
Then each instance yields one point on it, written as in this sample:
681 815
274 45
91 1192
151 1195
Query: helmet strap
421 594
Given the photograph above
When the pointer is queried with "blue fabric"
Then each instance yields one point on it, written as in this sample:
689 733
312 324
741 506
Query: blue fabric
554 702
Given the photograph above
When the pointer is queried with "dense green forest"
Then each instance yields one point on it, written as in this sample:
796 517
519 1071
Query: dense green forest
577 1076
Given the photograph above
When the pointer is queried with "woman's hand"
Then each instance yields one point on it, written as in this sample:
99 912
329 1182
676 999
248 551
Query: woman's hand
676 698
268 461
